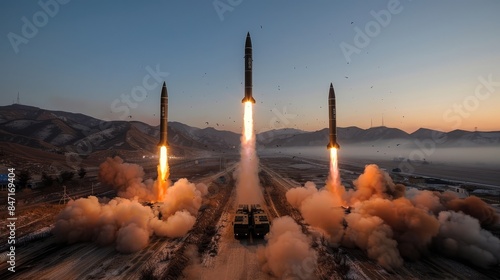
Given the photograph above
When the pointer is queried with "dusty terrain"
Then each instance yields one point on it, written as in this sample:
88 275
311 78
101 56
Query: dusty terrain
210 249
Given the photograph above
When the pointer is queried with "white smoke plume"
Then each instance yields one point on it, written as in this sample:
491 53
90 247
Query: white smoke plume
461 235
390 223
288 253
126 222
248 189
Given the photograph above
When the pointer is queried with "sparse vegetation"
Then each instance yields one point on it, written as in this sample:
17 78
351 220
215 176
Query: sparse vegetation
82 172
65 176
23 178
47 180
148 273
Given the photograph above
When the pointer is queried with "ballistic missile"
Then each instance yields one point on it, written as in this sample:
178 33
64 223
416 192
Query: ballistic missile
248 71
332 120
163 116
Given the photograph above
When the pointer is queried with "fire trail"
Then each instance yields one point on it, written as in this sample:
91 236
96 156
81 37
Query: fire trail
247 178
333 183
163 173
163 170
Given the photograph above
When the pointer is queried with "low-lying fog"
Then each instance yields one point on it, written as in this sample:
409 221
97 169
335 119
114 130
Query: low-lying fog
427 160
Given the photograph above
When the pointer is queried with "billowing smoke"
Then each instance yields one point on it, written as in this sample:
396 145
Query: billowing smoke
390 223
310 202
376 237
247 173
374 183
288 253
123 221
127 180
461 235
296 196
427 200
126 222
437 202
194 270
474 207
410 228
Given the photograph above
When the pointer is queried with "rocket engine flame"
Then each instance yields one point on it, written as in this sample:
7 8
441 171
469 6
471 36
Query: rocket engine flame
333 181
248 122
163 173
334 168
247 173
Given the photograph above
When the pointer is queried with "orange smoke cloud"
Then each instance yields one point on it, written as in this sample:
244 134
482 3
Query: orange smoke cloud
390 223
475 207
127 223
288 252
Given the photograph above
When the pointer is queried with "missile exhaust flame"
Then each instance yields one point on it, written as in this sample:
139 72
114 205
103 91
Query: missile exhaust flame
333 182
391 222
248 121
164 163
334 168
163 173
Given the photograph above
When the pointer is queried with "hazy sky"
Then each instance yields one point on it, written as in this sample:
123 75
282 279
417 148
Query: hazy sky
421 67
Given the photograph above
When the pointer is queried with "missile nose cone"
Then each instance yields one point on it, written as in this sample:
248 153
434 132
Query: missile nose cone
164 91
248 42
331 93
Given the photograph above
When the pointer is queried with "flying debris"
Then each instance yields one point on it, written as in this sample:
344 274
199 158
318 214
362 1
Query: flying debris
163 116
332 119
248 70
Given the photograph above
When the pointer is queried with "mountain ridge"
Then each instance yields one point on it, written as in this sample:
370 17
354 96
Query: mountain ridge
60 132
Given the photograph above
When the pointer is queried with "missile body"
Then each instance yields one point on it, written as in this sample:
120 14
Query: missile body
248 70
332 119
163 116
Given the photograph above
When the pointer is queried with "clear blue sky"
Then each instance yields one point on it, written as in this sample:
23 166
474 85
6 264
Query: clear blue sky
415 70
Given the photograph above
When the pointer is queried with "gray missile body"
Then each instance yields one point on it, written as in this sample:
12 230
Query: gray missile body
248 71
163 116
332 119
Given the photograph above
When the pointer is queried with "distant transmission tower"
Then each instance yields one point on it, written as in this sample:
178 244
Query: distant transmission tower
382 119
18 100
65 197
